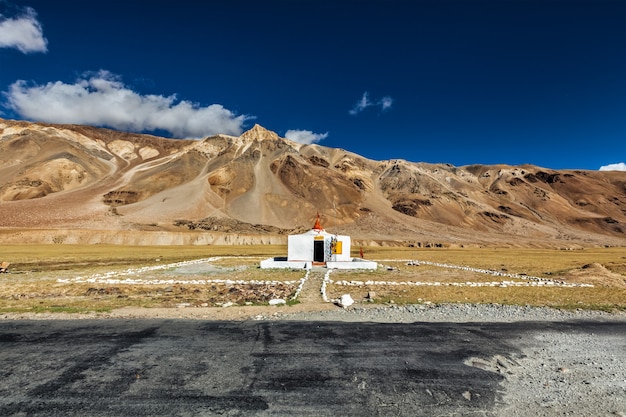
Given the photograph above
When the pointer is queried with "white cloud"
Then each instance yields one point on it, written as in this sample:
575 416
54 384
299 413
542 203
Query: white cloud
362 104
305 136
365 102
23 33
386 102
614 167
101 99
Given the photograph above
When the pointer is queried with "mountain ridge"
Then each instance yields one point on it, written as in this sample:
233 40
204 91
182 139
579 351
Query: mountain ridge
83 180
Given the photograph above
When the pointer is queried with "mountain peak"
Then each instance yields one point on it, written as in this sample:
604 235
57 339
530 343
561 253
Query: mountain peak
258 132
70 177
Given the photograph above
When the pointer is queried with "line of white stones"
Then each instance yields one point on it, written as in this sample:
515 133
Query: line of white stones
302 281
130 281
325 282
113 277
501 284
530 280
134 271
478 270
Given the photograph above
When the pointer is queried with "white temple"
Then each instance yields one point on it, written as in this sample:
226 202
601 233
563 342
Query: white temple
318 248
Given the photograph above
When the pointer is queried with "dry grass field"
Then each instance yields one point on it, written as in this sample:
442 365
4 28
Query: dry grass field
84 278
604 268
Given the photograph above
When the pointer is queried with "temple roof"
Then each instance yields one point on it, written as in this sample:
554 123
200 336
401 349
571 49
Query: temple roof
317 225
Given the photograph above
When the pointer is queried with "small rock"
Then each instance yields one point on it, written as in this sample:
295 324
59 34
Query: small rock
346 301
277 301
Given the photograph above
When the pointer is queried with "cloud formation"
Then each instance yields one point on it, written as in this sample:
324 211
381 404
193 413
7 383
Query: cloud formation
365 102
101 99
386 102
305 136
621 166
23 33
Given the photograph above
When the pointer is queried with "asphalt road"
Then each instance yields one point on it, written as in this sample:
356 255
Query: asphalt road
257 368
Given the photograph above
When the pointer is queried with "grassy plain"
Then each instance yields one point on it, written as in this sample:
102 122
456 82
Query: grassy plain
42 277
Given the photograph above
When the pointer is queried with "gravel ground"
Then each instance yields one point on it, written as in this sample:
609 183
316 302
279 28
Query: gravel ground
457 313
577 373
449 313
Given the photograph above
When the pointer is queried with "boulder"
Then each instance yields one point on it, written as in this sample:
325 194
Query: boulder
346 301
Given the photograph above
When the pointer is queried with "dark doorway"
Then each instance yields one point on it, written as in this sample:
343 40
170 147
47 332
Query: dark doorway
318 251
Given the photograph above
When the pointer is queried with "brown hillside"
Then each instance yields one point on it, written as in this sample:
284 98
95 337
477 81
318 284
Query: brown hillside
82 184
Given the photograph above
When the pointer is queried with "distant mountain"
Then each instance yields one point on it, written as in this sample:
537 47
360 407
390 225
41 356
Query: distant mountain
72 184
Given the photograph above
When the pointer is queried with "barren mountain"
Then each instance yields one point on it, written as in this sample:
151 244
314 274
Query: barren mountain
79 184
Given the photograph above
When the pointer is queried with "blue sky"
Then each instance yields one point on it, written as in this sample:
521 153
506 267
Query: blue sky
441 81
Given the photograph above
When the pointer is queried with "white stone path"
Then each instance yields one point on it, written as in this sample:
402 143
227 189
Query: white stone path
130 277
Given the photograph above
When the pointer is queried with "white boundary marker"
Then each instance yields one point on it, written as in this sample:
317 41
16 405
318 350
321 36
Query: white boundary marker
302 281
527 280
326 281
116 277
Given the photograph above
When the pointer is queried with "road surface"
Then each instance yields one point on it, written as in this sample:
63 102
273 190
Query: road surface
143 367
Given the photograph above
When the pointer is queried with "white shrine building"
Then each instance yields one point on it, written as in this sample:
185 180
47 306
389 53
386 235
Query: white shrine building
318 248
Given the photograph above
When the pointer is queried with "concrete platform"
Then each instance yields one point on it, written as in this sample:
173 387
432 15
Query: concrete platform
282 262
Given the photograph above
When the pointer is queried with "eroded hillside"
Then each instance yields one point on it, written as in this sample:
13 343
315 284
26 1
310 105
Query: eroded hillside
66 177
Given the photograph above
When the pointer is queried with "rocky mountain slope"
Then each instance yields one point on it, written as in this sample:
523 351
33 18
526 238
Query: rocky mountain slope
69 183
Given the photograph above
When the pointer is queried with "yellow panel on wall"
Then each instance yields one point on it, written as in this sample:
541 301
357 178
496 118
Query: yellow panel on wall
337 248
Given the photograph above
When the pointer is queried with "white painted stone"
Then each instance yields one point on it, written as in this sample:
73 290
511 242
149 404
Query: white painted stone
346 301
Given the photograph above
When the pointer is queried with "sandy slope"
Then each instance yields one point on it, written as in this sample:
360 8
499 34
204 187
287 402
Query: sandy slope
76 179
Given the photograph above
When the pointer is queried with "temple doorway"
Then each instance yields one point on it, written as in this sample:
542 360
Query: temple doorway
318 251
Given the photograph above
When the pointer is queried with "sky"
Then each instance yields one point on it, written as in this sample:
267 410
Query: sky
462 82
